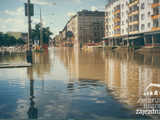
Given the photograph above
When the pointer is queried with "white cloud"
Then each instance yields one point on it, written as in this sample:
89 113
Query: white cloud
16 24
76 1
93 8
14 21
41 2
19 11
35 20
4 27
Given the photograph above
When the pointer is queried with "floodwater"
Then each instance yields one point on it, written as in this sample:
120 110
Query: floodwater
71 84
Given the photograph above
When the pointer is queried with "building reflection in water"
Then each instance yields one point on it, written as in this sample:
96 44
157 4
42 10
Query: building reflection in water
135 73
41 64
127 76
13 58
82 64
32 111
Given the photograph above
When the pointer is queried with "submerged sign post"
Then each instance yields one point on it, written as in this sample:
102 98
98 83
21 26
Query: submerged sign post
29 11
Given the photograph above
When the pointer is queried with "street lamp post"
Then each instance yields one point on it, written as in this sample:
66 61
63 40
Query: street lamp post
29 47
41 30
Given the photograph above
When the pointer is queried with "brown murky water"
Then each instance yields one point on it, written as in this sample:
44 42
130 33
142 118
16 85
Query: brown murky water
72 84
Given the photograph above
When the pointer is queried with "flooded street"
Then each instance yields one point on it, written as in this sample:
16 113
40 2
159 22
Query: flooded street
71 84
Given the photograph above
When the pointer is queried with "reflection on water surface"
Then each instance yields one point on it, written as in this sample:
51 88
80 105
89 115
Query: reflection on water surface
70 84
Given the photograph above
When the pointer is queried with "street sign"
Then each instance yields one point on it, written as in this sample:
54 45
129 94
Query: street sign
31 9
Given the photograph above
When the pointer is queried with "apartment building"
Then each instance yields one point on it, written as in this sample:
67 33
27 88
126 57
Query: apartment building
116 21
85 25
97 31
132 22
156 15
124 17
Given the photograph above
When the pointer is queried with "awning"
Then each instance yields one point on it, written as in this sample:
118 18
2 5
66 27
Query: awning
152 33
132 38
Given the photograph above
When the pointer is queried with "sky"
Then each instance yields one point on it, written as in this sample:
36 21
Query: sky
55 13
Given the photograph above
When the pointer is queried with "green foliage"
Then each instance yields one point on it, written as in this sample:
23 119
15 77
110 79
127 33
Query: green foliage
45 32
7 40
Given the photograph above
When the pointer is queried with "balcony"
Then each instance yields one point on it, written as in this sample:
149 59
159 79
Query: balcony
155 5
117 35
116 12
106 17
116 20
134 22
155 28
116 27
156 16
134 13
133 32
133 3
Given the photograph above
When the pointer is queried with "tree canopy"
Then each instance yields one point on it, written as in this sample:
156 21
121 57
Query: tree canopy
45 32
7 40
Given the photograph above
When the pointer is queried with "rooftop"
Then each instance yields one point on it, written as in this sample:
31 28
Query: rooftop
91 13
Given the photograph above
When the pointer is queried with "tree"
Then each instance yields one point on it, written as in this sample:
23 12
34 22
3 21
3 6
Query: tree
46 35
45 31
1 39
7 40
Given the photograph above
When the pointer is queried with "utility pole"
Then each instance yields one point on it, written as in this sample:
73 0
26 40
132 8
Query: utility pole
41 30
32 111
29 47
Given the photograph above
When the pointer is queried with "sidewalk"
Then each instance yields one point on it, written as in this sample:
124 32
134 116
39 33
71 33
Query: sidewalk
5 65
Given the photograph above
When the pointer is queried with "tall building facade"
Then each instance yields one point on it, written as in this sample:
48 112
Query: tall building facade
132 22
72 30
85 25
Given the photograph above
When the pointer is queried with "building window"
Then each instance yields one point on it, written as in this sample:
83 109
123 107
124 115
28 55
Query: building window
122 22
127 21
127 30
149 25
142 6
134 28
156 10
155 1
142 27
149 14
142 16
122 14
156 23
127 12
122 30
122 6
126 3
